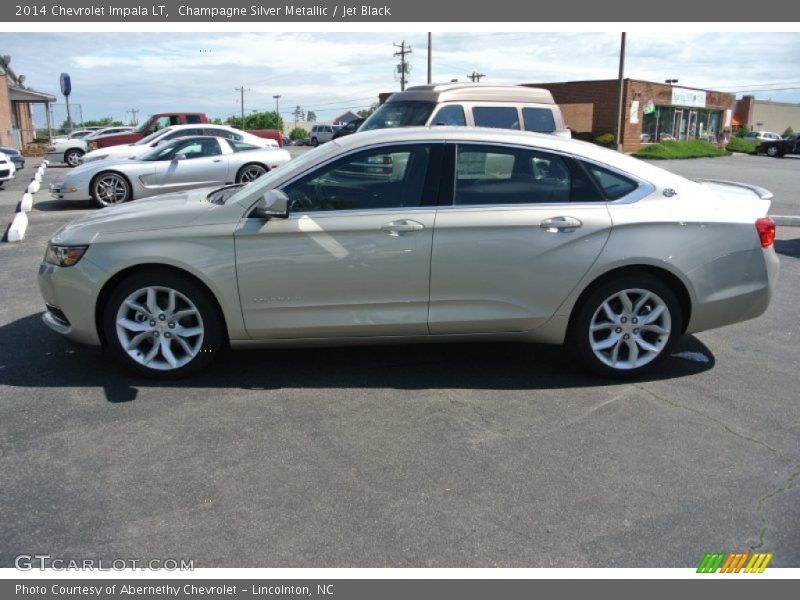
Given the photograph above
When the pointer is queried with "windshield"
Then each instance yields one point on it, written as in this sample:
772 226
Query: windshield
405 113
264 183
153 136
162 152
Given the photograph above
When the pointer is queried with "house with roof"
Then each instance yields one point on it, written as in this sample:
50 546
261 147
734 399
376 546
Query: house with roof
16 121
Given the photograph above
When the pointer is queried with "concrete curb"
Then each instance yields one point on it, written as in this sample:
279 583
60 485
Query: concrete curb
16 233
786 220
27 203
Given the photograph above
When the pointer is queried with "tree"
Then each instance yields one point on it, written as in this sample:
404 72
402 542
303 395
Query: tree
216 121
298 133
365 112
104 122
257 120
789 131
311 116
299 114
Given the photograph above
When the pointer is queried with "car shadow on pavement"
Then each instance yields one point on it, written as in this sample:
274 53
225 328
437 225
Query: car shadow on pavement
788 247
53 205
45 359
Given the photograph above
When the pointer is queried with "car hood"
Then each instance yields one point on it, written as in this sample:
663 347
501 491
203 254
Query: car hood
123 150
168 211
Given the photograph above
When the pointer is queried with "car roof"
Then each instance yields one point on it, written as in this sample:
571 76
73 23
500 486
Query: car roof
450 92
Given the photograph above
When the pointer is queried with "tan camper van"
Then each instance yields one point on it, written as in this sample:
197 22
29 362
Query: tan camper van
471 105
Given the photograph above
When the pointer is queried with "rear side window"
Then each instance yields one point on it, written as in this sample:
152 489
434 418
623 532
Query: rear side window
452 114
500 175
538 119
183 133
242 146
614 185
500 117
224 133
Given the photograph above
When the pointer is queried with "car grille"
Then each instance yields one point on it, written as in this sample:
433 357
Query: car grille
4 172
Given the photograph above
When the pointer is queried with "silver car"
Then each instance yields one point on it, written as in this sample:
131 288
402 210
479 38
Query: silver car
181 164
419 234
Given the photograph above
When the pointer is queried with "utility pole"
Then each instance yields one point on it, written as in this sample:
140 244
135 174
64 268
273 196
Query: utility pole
474 76
620 99
277 106
242 90
403 66
430 59
133 112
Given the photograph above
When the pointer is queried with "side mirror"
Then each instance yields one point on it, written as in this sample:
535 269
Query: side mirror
178 157
273 204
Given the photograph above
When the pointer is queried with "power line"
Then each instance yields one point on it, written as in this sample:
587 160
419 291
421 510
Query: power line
133 112
403 66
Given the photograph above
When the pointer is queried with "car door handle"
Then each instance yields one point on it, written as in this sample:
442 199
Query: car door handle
217 160
560 224
401 227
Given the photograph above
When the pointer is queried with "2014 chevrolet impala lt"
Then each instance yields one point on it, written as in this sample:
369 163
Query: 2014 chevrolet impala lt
419 234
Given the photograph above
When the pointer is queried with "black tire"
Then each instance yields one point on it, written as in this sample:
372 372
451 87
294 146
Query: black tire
205 345
102 197
314 142
581 337
72 157
773 151
241 174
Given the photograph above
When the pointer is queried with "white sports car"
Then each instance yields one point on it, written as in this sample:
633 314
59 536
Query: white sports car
182 164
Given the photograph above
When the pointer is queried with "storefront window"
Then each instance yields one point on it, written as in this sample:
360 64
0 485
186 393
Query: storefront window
680 123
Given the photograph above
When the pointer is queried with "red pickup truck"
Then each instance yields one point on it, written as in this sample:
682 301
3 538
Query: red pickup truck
161 120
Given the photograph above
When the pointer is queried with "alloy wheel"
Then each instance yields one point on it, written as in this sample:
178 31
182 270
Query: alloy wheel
111 189
160 328
251 173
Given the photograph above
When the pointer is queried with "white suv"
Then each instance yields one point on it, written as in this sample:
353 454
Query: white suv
322 133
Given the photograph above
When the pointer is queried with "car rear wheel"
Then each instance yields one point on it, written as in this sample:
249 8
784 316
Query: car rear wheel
626 326
772 151
162 325
73 157
250 173
109 189
314 142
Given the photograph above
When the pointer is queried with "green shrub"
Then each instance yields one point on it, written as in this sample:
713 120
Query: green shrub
671 149
584 136
789 131
742 145
298 133
605 139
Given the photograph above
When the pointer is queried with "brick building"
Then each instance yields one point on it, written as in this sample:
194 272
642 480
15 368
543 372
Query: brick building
651 111
16 121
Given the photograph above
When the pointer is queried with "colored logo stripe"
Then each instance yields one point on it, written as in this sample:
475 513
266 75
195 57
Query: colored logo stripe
734 562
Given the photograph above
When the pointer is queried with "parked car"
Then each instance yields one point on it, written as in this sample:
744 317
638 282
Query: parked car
78 134
7 168
422 234
762 136
67 150
780 148
348 128
320 134
471 105
170 133
152 124
15 155
182 164
106 131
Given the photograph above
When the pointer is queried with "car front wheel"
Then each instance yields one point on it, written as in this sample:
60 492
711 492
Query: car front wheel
626 326
109 189
162 325
73 157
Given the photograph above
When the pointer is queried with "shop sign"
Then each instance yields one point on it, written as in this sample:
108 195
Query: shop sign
684 97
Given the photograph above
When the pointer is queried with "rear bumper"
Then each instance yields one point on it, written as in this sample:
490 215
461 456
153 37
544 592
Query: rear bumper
733 288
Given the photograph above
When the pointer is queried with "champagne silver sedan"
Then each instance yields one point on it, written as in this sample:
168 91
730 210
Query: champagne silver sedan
181 164
422 234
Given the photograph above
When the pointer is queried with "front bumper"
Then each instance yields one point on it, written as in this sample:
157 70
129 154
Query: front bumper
59 191
70 295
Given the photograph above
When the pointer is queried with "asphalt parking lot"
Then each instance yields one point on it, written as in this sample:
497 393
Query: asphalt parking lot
411 456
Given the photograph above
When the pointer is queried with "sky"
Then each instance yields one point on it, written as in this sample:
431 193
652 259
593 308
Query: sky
333 72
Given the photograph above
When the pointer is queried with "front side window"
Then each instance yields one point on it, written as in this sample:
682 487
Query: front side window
452 114
500 117
386 177
538 119
404 113
499 175
198 148
161 123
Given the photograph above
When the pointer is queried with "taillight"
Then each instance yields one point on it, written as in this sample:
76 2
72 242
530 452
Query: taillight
766 231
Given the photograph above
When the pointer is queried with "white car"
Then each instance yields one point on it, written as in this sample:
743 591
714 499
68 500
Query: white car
66 150
172 132
762 136
7 169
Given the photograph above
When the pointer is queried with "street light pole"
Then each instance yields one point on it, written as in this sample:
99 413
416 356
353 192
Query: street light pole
277 106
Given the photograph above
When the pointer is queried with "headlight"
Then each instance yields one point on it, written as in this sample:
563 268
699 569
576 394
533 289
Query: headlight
63 256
